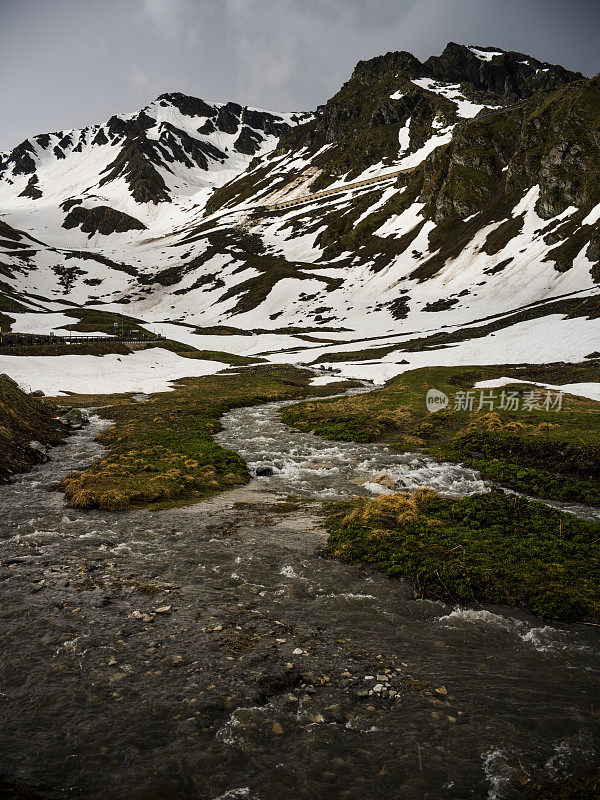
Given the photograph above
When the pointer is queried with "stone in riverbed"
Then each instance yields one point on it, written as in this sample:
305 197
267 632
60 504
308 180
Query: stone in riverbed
39 448
384 479
264 472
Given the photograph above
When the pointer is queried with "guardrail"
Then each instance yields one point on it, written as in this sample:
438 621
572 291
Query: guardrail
36 339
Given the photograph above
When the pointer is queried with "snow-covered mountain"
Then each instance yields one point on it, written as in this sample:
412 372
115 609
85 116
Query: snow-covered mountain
447 208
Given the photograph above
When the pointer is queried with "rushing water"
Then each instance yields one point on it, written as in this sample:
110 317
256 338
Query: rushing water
307 465
110 690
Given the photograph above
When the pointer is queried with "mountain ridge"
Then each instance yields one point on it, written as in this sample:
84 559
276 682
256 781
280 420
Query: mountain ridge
482 167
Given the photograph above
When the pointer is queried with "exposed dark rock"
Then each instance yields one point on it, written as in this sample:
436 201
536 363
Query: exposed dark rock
101 219
262 120
43 140
248 142
31 189
20 157
190 106
67 205
512 75
227 121
443 304
100 137
264 472
208 127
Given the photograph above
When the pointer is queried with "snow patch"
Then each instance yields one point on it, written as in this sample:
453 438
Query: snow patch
143 371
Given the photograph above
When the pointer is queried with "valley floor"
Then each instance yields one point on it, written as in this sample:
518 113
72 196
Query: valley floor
181 647
211 650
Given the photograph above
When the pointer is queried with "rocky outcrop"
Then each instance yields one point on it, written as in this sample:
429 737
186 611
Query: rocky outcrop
27 428
513 76
101 219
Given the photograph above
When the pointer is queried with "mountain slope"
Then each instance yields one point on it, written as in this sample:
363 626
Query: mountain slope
430 204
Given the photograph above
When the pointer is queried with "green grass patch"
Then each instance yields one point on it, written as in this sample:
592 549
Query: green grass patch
491 548
90 320
162 453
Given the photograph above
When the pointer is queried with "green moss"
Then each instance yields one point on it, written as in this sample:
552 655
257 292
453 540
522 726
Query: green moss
489 548
550 454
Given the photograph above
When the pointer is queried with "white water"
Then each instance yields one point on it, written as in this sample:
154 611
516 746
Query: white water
305 464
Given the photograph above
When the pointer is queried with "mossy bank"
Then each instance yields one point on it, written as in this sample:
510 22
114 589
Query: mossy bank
549 453
24 420
162 452
487 548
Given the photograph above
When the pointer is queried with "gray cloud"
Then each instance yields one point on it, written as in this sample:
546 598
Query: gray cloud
68 63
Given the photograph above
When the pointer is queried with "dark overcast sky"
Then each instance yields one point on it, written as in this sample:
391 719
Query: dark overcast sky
68 63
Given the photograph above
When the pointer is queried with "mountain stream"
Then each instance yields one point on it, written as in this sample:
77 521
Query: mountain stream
209 651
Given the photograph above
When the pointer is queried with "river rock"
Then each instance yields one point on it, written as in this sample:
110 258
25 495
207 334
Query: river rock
73 418
384 479
264 472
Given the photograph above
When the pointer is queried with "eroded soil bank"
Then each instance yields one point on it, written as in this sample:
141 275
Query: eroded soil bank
210 652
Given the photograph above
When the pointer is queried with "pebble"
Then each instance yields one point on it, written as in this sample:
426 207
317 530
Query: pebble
165 610
277 729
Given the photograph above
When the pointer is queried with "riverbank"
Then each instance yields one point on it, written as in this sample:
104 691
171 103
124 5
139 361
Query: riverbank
161 452
28 427
486 548
209 649
538 448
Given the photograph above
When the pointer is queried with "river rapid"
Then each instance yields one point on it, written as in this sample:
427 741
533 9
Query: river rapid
209 652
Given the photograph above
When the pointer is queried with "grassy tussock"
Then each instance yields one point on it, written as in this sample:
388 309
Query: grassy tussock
553 454
492 548
162 453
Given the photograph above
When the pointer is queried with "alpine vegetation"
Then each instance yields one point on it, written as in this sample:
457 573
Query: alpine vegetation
307 410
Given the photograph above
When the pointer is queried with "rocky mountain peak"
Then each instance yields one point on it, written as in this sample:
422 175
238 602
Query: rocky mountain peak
513 75
389 65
